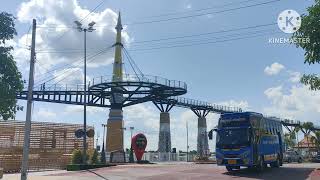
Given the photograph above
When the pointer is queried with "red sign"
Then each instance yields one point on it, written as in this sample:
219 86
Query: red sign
139 144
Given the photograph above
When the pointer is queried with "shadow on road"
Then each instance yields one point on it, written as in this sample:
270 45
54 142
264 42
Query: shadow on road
274 173
96 174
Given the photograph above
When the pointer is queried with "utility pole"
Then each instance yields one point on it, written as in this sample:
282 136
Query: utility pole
187 141
27 127
85 100
104 134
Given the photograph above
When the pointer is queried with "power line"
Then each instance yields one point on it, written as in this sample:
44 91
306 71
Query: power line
194 44
70 65
201 9
183 17
63 66
204 14
164 39
74 70
202 34
213 38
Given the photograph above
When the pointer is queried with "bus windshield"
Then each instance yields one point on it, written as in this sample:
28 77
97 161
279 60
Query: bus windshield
230 137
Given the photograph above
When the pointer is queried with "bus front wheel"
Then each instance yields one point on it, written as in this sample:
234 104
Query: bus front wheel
261 165
229 168
232 168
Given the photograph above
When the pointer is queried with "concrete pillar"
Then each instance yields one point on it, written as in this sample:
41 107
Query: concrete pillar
164 133
202 141
114 140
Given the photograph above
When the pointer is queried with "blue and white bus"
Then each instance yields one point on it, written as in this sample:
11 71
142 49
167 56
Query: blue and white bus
249 139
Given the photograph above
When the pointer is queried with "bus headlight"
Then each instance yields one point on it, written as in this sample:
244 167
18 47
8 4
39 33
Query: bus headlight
244 155
245 161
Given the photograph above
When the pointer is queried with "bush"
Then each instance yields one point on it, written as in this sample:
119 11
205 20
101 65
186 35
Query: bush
94 157
78 167
76 157
103 157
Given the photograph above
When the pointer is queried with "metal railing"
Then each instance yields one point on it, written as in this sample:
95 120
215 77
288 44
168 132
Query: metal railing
60 87
140 78
160 157
108 79
192 102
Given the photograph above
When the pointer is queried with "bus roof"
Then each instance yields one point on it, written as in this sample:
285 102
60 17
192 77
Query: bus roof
239 114
247 114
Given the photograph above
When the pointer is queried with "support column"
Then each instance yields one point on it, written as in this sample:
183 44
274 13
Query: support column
202 139
114 140
164 144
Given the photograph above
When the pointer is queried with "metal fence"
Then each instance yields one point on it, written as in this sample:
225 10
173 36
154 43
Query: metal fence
160 157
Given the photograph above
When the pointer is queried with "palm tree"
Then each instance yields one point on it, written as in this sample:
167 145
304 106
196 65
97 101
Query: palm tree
289 140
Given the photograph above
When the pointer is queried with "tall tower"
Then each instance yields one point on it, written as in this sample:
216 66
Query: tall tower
115 122
117 66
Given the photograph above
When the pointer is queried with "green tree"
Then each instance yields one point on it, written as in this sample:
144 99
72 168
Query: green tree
94 157
10 77
103 157
310 28
289 139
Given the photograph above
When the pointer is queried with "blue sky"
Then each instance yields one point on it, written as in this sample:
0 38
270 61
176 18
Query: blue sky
250 73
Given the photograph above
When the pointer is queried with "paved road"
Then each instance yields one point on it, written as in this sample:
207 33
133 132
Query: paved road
167 171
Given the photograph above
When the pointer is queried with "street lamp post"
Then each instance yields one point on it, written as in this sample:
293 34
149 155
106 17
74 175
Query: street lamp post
104 133
131 160
85 30
187 141
103 153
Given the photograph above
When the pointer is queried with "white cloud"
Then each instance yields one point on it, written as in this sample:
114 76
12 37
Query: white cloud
188 6
274 69
294 76
298 103
144 116
274 92
69 76
244 105
44 114
70 109
61 37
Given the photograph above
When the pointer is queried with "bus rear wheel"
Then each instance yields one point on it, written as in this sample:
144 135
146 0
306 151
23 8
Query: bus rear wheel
276 164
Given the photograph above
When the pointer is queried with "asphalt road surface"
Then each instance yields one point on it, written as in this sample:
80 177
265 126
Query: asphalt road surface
173 171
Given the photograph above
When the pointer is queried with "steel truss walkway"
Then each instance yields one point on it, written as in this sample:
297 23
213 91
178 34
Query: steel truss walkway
135 89
196 105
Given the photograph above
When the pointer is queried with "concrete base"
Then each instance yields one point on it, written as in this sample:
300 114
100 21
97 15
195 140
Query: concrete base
202 141
164 144
114 140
